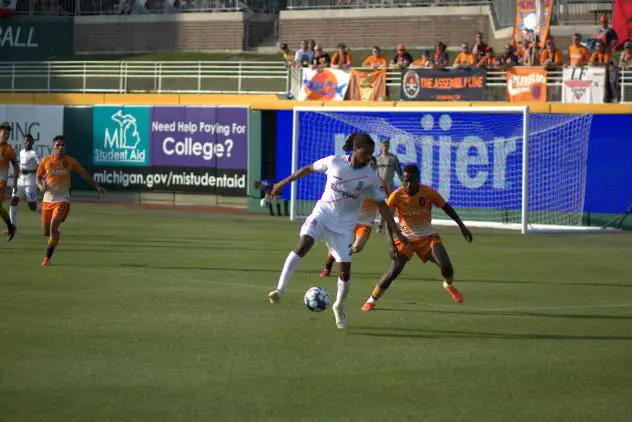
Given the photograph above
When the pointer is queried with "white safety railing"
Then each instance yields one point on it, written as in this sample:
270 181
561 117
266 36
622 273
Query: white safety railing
159 77
208 77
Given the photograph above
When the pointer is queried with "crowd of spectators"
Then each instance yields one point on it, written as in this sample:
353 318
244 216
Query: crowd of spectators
527 51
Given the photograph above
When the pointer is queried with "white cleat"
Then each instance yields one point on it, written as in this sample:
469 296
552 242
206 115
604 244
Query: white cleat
341 318
274 296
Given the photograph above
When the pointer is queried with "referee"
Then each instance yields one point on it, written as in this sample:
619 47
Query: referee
387 165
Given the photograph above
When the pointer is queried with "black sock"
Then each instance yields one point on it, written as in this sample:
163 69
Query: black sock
329 265
50 249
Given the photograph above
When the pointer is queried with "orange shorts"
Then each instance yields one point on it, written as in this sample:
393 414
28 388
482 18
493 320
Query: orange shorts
422 247
362 230
52 210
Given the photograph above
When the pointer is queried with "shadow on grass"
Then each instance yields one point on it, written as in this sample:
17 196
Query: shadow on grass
509 313
441 334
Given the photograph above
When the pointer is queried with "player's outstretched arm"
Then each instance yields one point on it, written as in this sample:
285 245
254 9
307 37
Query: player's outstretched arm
467 234
298 174
88 178
387 215
39 175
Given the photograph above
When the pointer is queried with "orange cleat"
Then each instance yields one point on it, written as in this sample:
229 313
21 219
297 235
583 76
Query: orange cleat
45 262
368 306
325 273
456 295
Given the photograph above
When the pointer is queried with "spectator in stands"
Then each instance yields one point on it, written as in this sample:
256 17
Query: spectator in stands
532 54
341 59
509 57
376 60
465 57
321 59
519 51
601 56
441 57
578 54
422 61
488 60
287 55
626 55
304 56
551 56
311 44
402 58
607 35
479 48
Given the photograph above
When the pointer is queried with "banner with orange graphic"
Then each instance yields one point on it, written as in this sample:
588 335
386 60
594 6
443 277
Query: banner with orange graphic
526 84
367 86
323 84
532 15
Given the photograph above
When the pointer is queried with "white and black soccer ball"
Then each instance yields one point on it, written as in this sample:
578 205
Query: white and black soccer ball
316 299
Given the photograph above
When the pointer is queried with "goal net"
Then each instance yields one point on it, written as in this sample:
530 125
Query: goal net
498 166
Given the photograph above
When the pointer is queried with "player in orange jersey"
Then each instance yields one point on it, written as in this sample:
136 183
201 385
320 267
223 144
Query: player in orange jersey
414 201
7 156
57 169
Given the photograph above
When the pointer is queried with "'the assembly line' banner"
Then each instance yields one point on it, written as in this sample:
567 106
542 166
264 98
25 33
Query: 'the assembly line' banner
460 84
194 149
526 84
532 15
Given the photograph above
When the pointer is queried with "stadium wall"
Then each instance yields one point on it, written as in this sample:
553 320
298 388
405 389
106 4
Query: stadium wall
609 179
24 38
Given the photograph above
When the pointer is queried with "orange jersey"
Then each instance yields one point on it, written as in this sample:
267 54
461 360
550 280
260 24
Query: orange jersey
7 154
601 58
464 58
57 172
374 61
555 57
578 56
367 212
415 212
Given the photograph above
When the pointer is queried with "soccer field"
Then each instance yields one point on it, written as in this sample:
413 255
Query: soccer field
161 315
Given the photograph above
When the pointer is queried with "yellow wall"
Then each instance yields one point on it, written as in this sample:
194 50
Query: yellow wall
271 102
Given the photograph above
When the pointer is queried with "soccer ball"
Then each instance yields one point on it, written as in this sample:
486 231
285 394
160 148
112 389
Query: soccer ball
264 203
316 299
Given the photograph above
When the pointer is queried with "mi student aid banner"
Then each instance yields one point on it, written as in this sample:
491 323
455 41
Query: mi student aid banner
192 149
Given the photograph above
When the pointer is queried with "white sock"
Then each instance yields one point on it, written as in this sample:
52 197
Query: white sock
343 291
371 299
291 262
446 285
13 214
38 208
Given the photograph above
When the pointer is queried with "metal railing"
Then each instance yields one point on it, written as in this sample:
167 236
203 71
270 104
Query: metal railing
159 77
358 4
127 7
211 78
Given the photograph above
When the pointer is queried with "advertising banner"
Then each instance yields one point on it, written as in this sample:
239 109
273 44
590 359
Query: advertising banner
28 39
458 84
526 84
532 15
367 86
323 84
584 85
189 149
622 20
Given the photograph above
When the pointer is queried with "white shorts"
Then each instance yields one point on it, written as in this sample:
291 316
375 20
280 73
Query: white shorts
339 244
26 191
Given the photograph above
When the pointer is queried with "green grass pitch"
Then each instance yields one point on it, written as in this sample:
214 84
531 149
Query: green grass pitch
161 315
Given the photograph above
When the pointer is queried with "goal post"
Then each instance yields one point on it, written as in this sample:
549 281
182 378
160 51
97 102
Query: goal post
500 167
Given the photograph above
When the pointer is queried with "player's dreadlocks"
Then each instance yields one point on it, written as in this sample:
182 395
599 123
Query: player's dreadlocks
348 146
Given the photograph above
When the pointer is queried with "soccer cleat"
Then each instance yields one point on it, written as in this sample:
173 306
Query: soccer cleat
274 296
339 314
456 295
368 306
11 232
326 272
45 262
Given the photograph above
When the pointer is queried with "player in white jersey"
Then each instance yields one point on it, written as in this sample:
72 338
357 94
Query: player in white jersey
349 180
26 188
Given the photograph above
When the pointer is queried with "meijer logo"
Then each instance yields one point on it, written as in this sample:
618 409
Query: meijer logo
121 137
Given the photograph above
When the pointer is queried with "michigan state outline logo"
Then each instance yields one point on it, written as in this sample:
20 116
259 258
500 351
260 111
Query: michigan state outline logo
121 135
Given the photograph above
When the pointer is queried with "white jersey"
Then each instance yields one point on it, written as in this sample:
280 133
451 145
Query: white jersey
28 161
344 193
